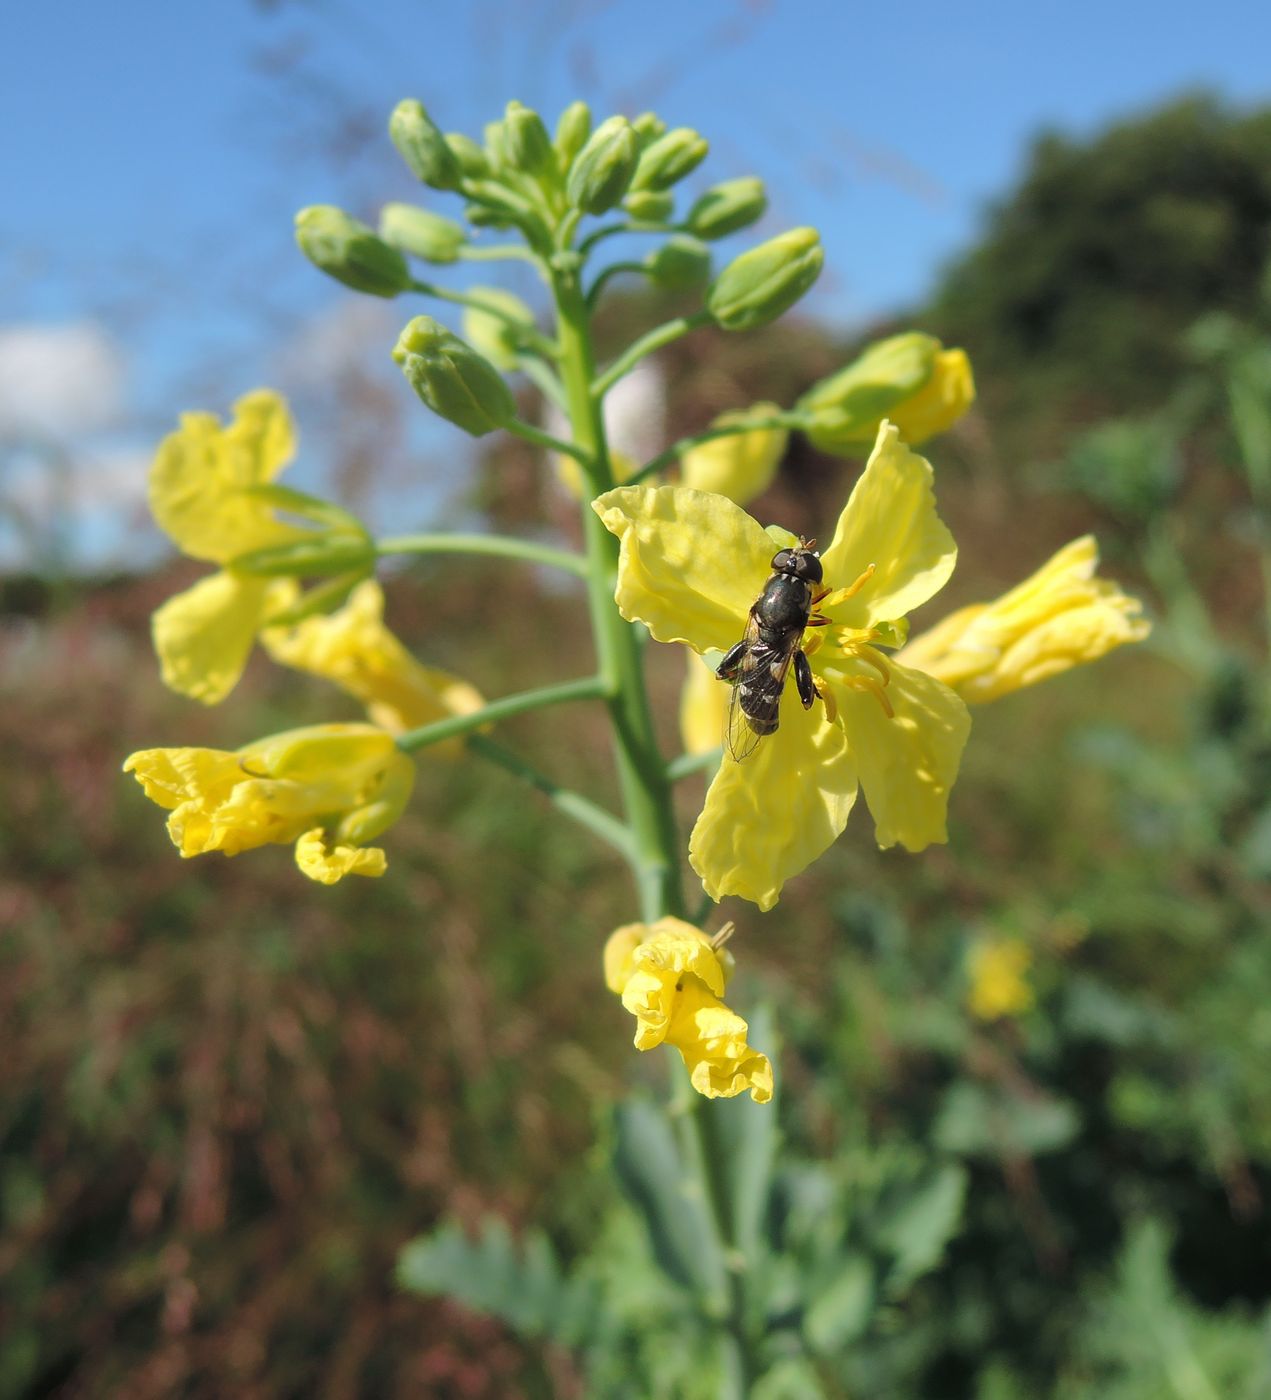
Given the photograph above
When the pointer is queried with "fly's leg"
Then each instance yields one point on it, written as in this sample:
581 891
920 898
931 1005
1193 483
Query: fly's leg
731 664
804 679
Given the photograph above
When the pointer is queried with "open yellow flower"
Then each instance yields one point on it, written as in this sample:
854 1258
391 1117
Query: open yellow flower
200 495
671 977
353 648
998 972
1059 617
329 788
691 566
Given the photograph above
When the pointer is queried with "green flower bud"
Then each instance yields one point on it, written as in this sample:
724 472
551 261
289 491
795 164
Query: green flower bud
344 248
766 281
669 159
680 264
648 126
724 209
649 206
603 168
423 147
491 335
452 379
421 232
486 216
882 375
469 157
526 142
572 131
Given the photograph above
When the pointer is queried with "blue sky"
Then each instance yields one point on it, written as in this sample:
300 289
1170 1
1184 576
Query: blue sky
152 154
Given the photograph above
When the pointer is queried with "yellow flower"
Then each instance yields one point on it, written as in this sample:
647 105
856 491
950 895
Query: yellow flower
671 978
329 788
691 566
998 969
353 648
941 401
201 495
1061 616
742 465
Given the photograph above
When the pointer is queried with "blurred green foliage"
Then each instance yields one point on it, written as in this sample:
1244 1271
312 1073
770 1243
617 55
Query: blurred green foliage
231 1101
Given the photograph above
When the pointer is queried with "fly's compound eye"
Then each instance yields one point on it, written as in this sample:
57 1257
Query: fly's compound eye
781 561
808 566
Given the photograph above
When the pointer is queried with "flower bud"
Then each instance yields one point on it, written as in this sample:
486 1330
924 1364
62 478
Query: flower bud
669 158
910 379
528 146
724 209
452 379
603 168
344 248
648 126
487 216
490 335
649 206
496 148
766 281
572 131
421 232
469 157
679 265
423 147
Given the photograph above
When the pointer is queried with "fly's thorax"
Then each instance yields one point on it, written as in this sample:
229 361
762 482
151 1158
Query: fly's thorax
784 605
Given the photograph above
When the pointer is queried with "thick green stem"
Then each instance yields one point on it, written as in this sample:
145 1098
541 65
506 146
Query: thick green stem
502 545
587 688
641 770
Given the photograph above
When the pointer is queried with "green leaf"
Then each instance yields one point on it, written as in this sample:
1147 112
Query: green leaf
653 1175
842 1308
918 1222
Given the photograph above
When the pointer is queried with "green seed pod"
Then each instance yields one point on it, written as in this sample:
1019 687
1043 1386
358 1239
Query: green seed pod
423 147
492 336
649 206
669 159
602 171
470 158
529 148
648 126
346 249
766 281
724 209
679 265
452 379
572 131
421 232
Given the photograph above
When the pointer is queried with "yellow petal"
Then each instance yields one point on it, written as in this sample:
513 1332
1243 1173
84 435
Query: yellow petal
908 762
353 648
327 864
691 563
742 465
1060 617
889 522
711 1038
941 401
204 636
201 473
703 707
769 816
619 956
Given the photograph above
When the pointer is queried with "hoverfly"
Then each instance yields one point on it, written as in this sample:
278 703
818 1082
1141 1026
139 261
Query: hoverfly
757 666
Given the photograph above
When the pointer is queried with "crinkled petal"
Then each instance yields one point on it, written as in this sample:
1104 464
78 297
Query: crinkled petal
907 763
201 473
769 816
173 776
889 521
327 864
204 636
691 564
711 1038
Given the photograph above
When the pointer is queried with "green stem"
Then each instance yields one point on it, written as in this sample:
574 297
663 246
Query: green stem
502 250
539 438
535 339
631 226
612 271
543 380
586 688
646 345
502 545
689 763
686 444
641 769
573 804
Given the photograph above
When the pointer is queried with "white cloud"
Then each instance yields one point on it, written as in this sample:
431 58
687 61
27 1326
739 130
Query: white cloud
57 382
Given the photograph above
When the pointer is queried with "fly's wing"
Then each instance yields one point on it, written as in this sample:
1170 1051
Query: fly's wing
755 703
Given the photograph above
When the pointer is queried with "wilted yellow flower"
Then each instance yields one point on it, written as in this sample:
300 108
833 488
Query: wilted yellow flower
1060 617
201 496
742 465
353 648
329 788
671 977
691 566
998 972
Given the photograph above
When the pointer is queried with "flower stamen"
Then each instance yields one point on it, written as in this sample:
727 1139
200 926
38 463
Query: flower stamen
841 595
874 688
